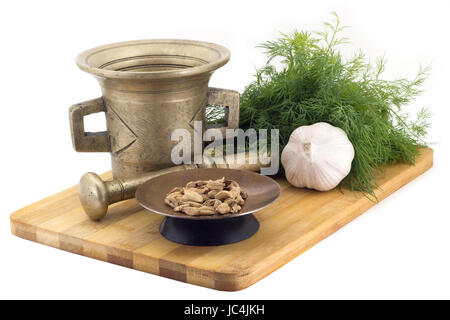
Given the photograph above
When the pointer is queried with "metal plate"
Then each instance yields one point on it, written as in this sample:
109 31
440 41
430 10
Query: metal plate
261 190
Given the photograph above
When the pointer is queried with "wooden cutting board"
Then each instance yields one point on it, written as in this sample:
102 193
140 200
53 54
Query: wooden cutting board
128 235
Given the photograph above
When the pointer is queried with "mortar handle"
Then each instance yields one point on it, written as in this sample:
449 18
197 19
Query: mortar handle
87 141
230 100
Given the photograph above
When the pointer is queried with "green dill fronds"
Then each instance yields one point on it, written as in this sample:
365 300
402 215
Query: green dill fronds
214 114
316 83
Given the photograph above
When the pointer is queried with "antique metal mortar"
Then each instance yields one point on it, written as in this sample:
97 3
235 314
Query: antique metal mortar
149 88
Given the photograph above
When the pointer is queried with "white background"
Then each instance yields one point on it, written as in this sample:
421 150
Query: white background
398 249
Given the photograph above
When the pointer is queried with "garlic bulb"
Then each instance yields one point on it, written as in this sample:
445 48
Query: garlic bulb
318 156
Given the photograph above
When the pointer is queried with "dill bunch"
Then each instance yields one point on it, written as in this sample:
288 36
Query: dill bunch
316 83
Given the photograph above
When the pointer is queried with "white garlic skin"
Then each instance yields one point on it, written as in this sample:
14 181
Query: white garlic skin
318 156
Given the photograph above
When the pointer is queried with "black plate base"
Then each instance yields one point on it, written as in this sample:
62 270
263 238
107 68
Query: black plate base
207 232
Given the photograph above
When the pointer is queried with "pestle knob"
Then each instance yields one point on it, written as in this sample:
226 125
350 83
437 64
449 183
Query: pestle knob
94 196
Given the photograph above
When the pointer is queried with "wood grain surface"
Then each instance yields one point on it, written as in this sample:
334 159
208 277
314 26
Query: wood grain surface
129 236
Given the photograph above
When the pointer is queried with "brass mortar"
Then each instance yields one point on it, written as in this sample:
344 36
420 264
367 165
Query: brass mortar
149 88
